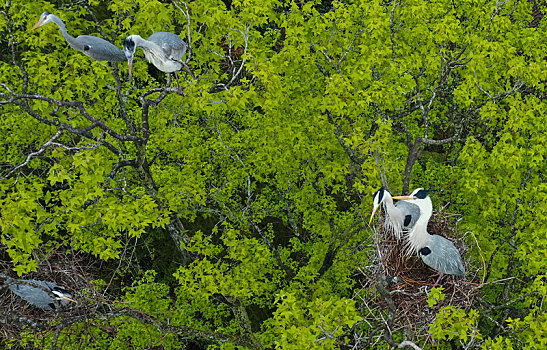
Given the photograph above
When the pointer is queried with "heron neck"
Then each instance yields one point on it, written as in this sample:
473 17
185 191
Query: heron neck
388 203
419 237
394 215
69 38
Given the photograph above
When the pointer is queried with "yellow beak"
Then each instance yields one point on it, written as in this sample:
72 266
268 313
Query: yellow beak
67 298
404 197
39 23
372 215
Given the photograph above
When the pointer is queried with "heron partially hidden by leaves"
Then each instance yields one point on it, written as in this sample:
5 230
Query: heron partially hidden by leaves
400 216
94 47
43 294
435 251
163 49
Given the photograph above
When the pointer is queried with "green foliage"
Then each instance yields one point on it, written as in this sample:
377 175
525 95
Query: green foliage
435 295
313 325
254 176
453 323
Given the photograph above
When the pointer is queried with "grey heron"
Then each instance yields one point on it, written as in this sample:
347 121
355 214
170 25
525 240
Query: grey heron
401 216
434 250
163 49
94 47
42 294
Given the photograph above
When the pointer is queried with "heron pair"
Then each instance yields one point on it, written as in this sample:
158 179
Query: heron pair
411 214
164 50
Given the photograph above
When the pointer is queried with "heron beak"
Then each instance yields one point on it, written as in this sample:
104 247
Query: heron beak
372 215
130 63
67 298
39 23
407 198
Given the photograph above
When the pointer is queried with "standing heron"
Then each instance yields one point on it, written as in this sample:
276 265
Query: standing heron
96 48
40 293
399 217
435 251
164 50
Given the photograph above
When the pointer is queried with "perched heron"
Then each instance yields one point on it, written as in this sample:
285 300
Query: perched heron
40 293
164 50
435 251
96 48
401 216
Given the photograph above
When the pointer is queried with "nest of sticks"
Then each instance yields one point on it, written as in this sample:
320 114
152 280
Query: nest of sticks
409 280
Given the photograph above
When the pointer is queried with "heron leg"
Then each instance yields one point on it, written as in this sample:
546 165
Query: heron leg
177 76
168 80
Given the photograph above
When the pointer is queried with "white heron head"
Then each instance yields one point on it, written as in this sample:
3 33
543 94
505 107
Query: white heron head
45 18
62 295
418 193
378 198
420 197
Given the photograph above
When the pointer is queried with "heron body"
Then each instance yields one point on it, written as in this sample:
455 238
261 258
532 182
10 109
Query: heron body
164 50
400 216
31 292
92 46
435 251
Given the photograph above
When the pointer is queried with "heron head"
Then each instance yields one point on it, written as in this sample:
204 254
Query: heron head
45 18
62 295
129 48
418 193
378 198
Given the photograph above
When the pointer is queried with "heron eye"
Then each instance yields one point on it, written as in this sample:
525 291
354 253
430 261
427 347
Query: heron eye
87 47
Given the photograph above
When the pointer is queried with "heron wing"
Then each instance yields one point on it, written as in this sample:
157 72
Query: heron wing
99 49
34 295
172 45
444 257
408 209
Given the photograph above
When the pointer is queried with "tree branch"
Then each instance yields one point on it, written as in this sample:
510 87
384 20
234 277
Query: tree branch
186 13
76 104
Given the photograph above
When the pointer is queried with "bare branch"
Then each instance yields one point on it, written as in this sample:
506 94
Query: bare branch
357 33
516 88
186 13
236 71
499 5
32 155
119 165
76 104
453 138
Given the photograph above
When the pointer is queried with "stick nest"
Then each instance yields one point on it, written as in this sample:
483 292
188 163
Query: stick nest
410 280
